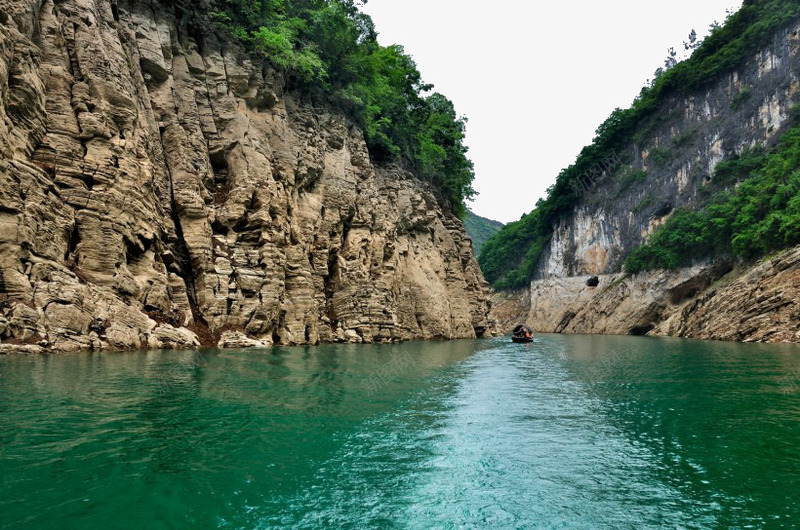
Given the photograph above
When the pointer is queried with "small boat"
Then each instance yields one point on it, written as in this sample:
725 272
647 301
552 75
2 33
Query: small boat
522 333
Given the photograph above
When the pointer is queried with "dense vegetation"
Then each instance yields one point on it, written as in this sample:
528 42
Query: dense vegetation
328 50
761 214
480 229
508 260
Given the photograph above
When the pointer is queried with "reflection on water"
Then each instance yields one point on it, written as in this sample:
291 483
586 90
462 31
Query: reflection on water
718 419
582 431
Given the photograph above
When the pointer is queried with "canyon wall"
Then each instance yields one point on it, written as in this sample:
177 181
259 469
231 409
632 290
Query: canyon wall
749 304
578 285
160 188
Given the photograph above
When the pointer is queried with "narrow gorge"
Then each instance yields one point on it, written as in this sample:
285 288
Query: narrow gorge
161 188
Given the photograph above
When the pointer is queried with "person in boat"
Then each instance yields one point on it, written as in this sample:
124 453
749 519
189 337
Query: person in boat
522 333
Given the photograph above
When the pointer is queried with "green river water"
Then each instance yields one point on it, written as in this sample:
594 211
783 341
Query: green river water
568 432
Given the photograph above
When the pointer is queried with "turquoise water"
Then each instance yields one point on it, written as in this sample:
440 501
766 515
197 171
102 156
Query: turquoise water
568 432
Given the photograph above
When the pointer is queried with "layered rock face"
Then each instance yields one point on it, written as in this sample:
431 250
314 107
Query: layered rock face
669 165
671 162
158 188
757 304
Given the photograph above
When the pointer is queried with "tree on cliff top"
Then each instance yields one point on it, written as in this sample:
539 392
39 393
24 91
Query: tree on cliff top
510 258
329 50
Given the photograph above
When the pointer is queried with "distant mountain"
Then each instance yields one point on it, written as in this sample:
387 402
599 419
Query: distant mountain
480 229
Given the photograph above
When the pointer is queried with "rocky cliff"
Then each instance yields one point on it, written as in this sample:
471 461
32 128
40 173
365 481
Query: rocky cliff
160 188
578 285
750 304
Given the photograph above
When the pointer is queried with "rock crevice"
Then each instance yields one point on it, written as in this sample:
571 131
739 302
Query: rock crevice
172 190
712 302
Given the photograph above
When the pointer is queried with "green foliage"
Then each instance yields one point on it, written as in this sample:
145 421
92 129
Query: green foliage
743 34
632 176
680 240
520 244
480 230
644 204
328 49
743 95
509 259
443 157
276 29
661 156
682 138
627 178
739 167
760 215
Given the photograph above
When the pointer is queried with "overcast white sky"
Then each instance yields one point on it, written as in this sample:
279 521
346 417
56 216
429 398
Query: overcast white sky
535 80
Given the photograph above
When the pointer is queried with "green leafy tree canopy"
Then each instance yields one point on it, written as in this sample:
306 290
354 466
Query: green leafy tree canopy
329 50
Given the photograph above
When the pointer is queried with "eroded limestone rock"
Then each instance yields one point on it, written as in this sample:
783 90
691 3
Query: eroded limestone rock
750 304
152 184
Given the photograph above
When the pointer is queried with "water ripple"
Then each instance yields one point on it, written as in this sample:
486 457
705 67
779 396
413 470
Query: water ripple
577 432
